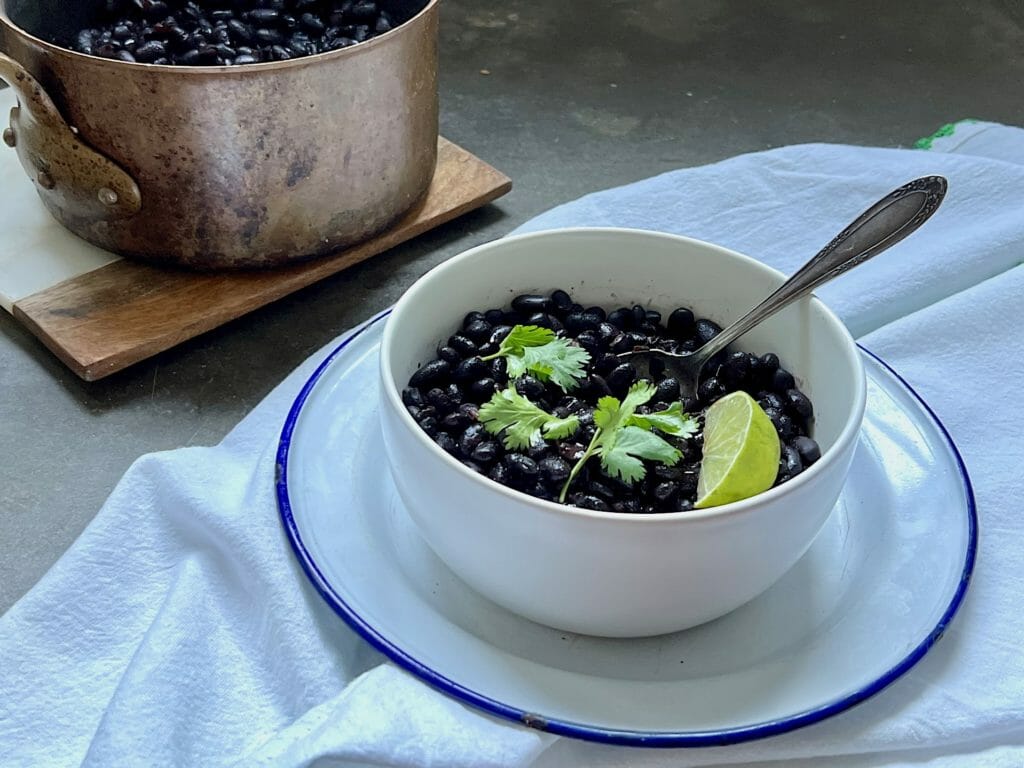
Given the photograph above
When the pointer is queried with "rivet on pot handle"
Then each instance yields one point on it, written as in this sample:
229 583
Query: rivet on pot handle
69 174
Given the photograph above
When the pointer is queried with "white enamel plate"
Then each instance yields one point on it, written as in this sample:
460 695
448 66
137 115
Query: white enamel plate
871 596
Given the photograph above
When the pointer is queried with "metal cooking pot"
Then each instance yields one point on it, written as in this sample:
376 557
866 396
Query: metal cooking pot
236 166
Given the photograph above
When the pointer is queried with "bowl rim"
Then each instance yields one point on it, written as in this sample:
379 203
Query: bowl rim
392 392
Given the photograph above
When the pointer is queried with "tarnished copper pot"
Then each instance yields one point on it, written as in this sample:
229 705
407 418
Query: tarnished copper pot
213 167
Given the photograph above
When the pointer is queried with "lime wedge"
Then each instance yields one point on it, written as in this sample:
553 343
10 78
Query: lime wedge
741 451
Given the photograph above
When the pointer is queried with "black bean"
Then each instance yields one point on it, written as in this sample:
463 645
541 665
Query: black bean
706 330
790 462
154 9
499 473
84 41
589 501
364 9
571 451
769 362
667 390
340 42
288 21
499 369
430 374
462 344
429 425
413 396
561 300
735 369
449 354
208 55
771 400
783 423
597 385
264 16
555 470
653 317
124 56
606 362
485 452
522 469
279 53
528 303
807 448
620 379
312 22
621 343
162 60
478 331
482 389
121 32
150 51
447 442
456 421
621 318
782 381
177 37
493 316
472 437
226 52
268 36
242 32
189 58
440 399
665 492
470 369
528 386
798 404
684 505
710 390
575 322
590 341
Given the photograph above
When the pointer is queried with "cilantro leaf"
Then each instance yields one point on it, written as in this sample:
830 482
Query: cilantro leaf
522 422
623 438
621 457
559 361
523 337
671 421
530 348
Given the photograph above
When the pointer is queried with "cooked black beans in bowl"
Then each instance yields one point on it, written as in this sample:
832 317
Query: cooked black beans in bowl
518 394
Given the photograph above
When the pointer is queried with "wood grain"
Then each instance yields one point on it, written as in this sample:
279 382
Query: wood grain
115 316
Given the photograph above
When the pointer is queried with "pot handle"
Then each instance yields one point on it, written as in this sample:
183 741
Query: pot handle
70 176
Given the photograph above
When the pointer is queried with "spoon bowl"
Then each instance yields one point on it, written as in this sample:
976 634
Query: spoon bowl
881 226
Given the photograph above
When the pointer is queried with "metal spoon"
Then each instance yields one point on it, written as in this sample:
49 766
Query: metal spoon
882 225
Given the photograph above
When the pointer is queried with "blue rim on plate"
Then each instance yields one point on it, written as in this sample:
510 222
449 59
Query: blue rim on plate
579 730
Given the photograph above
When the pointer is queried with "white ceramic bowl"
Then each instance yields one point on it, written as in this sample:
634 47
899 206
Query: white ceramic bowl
605 573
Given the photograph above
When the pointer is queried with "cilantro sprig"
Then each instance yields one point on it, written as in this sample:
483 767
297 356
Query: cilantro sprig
523 422
540 351
624 438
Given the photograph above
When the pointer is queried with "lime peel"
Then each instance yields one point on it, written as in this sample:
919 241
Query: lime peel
741 452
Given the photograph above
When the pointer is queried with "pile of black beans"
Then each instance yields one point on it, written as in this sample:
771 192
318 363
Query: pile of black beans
224 32
444 396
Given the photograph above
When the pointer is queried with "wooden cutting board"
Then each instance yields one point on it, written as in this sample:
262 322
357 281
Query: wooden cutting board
99 313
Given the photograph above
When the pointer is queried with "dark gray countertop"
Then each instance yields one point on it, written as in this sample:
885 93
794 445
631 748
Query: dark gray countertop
565 97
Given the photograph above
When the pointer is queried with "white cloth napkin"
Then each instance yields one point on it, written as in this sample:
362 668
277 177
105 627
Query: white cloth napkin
178 630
